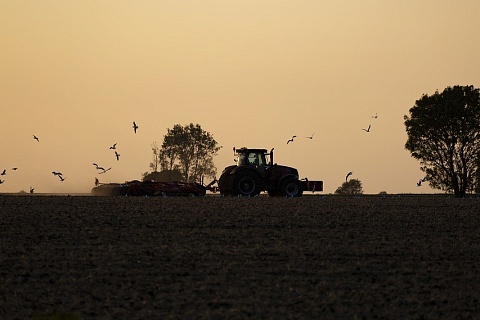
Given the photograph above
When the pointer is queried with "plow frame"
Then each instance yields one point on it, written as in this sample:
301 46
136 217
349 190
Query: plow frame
153 188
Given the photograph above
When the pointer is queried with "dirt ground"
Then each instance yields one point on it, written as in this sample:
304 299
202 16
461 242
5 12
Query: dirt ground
323 257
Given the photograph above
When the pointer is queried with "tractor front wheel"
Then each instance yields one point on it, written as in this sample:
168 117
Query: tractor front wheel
246 184
291 188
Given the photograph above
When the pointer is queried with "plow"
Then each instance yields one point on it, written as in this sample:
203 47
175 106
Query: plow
152 188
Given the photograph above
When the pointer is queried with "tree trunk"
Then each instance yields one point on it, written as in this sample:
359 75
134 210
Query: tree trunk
458 191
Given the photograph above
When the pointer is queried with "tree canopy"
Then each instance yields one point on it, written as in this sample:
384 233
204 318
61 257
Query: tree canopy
443 134
188 149
350 187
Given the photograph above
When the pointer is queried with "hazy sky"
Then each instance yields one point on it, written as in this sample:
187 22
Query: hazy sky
251 72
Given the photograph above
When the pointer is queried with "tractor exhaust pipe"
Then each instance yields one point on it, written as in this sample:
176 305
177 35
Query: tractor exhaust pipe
271 157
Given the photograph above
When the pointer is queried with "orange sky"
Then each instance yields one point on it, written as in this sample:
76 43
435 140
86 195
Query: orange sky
251 72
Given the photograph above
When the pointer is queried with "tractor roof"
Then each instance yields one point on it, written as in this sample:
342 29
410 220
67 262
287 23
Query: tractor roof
245 149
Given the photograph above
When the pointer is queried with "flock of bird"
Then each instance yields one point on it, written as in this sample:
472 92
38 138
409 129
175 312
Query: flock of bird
58 174
114 146
366 130
369 126
4 172
311 137
102 170
293 137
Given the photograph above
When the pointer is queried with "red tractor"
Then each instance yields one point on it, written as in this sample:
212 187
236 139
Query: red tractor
255 172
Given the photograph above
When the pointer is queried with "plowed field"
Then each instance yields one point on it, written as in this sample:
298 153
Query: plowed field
323 257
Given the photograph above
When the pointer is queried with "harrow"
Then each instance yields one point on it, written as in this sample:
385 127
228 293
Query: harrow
152 188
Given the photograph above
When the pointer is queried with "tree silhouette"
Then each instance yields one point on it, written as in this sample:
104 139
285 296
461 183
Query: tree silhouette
188 149
352 186
156 157
444 134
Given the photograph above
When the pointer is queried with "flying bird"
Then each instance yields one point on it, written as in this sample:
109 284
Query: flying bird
56 173
98 167
117 155
4 172
61 178
291 140
135 127
36 138
2 181
14 169
114 146
348 175
375 116
311 137
419 183
105 170
368 129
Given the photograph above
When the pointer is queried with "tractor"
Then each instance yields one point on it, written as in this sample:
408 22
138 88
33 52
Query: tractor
255 172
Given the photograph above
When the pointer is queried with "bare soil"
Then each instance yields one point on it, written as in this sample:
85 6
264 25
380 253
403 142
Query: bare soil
325 257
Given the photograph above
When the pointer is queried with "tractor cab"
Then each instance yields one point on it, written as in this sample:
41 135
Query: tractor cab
259 158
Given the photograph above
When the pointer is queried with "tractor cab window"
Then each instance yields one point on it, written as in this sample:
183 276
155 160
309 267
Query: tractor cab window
256 159
242 159
251 158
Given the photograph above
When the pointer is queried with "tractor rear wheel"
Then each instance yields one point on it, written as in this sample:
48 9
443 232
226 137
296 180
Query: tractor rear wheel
246 183
291 187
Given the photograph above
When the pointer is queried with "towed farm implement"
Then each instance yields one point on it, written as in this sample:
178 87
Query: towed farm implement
152 188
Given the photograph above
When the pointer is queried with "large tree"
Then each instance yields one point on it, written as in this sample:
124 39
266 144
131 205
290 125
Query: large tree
188 149
444 134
